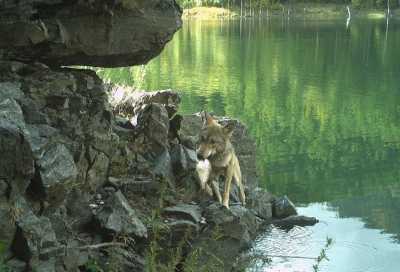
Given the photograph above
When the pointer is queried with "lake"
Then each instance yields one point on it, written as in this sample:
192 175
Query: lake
322 101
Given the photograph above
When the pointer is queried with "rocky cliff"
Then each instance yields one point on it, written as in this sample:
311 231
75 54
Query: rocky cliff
106 33
85 189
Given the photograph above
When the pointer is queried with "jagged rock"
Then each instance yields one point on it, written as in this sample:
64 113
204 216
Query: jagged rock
34 235
127 101
7 224
117 216
4 188
260 201
77 207
17 163
74 258
230 232
98 33
183 211
184 160
295 220
124 261
153 124
57 171
179 230
136 184
283 207
10 90
16 265
97 174
45 265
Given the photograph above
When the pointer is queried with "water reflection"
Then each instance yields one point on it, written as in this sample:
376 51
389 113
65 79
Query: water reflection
355 248
322 102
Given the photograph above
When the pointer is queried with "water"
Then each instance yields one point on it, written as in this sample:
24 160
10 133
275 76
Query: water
322 101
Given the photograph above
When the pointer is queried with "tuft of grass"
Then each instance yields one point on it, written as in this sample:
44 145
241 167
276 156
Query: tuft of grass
93 266
322 255
3 266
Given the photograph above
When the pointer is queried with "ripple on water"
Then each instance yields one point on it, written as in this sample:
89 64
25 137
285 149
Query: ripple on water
355 248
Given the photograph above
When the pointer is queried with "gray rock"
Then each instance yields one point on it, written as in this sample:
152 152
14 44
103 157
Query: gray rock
17 163
283 207
4 188
180 229
74 257
35 235
136 184
57 172
77 206
295 220
184 160
132 101
11 113
184 212
7 225
124 261
47 265
117 216
16 265
97 171
153 123
97 33
229 233
260 201
10 90
39 137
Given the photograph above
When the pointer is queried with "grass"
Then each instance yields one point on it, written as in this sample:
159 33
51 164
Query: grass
322 255
3 266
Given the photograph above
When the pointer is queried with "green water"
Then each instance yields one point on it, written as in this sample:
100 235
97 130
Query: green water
322 101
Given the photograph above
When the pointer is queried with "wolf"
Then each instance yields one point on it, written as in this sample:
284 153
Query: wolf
215 146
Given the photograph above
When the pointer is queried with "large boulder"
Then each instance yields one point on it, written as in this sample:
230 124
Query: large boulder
283 207
118 217
97 33
228 232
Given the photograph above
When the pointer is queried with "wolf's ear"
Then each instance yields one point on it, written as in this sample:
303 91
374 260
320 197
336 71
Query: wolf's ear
229 128
207 119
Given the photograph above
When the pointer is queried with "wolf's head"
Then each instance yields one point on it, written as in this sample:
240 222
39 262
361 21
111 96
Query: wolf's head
214 138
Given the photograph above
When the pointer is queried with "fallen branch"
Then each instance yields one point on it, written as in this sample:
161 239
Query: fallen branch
101 245
89 247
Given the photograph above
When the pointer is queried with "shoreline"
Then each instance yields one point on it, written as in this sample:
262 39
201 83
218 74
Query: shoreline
299 11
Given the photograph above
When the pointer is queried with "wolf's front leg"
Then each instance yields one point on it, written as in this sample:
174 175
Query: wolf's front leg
227 189
215 187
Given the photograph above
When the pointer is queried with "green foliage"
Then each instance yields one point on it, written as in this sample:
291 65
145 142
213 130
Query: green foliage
3 266
93 266
272 3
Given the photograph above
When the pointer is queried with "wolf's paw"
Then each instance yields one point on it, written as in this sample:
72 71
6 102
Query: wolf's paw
226 205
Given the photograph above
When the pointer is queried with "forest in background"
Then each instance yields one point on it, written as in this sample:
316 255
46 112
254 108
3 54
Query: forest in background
277 3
